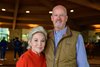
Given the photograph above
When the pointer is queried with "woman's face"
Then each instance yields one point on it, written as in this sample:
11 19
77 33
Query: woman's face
37 42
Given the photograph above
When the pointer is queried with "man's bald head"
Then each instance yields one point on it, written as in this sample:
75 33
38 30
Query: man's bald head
61 8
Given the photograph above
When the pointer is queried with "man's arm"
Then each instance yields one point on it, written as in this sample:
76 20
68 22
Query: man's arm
81 53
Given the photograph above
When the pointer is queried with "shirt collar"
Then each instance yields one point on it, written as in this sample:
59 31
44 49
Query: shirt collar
63 31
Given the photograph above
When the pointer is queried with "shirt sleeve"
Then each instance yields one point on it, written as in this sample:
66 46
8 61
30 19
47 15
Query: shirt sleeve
81 53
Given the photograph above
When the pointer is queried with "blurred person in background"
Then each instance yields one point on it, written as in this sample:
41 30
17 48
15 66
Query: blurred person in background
17 47
3 47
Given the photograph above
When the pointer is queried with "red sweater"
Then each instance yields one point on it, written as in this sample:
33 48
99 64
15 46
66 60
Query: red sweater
30 59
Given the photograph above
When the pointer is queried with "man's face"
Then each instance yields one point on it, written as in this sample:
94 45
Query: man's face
59 18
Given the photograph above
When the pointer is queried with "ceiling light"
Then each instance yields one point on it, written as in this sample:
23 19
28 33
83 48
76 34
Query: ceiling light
27 11
33 25
97 26
97 30
3 9
71 11
50 12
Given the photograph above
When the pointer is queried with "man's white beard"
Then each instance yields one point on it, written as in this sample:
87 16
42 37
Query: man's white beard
58 24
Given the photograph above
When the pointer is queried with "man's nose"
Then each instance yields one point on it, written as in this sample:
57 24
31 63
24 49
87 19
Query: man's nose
58 18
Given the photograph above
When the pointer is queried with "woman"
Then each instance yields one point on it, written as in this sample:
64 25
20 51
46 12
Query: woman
34 57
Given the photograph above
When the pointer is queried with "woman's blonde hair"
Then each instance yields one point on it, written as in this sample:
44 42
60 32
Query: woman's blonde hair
35 30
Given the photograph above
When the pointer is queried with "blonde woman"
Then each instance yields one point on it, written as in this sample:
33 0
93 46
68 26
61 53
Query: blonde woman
34 57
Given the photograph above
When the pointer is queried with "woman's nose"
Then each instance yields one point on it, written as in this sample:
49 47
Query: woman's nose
39 43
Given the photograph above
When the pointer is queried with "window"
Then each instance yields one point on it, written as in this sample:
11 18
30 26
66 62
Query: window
4 32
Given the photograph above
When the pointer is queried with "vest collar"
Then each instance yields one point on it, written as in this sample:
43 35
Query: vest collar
68 33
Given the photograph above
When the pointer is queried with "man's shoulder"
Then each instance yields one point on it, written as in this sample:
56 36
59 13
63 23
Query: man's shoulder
75 32
49 32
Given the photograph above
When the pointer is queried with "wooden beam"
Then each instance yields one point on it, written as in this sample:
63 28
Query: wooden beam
15 13
6 17
87 4
47 3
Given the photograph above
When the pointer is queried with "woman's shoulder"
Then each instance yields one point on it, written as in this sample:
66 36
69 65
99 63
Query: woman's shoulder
24 55
23 60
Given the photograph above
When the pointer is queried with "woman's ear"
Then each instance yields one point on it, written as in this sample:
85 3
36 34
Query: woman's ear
29 42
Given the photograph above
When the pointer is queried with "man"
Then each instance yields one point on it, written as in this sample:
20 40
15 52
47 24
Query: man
65 47
17 47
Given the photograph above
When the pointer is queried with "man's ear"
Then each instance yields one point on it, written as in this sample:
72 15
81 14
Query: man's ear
66 18
51 18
